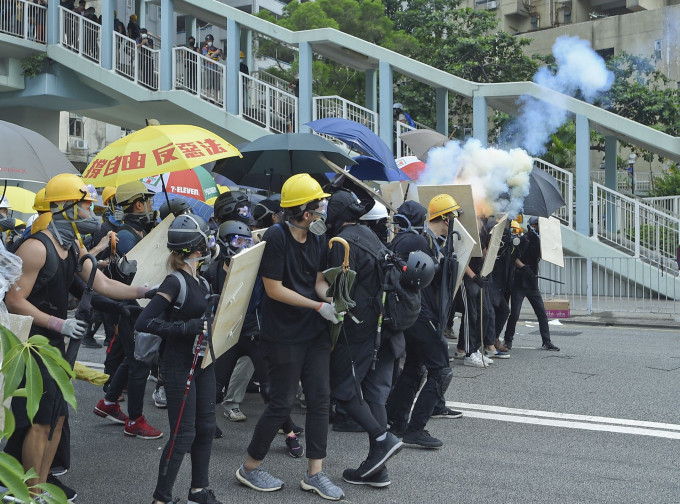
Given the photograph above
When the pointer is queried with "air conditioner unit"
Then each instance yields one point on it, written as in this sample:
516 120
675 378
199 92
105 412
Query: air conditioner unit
81 144
492 5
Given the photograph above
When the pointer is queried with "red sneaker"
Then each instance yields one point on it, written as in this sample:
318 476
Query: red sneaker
110 411
141 429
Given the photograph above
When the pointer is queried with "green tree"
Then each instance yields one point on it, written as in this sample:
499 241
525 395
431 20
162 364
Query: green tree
667 184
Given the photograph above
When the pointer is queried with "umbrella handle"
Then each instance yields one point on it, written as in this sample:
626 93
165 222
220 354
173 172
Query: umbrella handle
112 242
345 262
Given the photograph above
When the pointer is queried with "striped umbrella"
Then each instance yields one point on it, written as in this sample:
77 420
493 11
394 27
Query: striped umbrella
196 183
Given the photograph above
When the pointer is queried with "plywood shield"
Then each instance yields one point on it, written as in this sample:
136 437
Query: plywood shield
463 196
151 254
234 299
550 231
494 245
463 247
399 192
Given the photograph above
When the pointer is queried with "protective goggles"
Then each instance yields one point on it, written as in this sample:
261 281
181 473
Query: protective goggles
244 212
238 241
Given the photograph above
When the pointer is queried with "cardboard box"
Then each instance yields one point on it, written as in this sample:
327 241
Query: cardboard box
557 308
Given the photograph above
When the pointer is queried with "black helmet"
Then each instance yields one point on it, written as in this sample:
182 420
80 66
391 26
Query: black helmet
228 203
209 38
533 221
177 207
226 233
410 214
264 210
419 271
188 233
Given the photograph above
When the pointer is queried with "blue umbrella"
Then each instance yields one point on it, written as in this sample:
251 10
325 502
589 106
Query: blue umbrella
368 168
200 208
358 137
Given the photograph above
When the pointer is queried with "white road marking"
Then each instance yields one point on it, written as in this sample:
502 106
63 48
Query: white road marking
567 420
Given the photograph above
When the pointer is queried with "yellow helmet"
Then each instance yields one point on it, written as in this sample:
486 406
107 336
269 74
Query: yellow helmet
516 227
69 187
107 194
299 190
128 193
39 203
242 55
442 204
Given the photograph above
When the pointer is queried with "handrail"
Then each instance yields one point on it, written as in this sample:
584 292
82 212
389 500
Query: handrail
139 64
268 106
199 75
21 18
565 181
79 34
337 106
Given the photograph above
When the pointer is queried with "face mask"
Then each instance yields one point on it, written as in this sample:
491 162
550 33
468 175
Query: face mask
318 226
144 35
210 44
380 229
192 43
89 225
62 229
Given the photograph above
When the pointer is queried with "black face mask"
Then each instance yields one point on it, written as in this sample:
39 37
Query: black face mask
380 229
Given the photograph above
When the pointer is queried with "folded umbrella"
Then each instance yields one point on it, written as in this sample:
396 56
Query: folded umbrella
340 280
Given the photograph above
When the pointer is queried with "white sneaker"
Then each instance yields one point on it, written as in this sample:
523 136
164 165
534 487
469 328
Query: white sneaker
484 358
235 415
474 360
159 399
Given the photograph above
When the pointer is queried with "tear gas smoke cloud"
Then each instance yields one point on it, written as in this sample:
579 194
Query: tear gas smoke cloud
499 179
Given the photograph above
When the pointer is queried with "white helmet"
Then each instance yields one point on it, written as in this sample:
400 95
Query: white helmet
4 203
376 213
398 106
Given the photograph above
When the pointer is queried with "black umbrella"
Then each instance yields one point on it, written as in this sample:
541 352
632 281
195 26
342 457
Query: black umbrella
544 196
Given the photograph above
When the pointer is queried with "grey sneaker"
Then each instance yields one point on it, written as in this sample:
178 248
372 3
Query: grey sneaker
322 485
159 399
235 415
258 479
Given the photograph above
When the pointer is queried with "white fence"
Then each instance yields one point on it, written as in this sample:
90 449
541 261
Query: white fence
199 75
565 181
668 204
624 181
336 106
139 64
24 19
273 80
79 34
268 106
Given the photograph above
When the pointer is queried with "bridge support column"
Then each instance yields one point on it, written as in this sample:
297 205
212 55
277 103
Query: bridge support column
108 6
610 181
168 29
233 48
386 90
582 184
480 120
443 111
305 88
52 22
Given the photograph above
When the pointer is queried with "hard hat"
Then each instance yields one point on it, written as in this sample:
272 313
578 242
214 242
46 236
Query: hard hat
442 204
39 204
242 55
418 272
4 203
209 37
398 106
516 227
299 190
107 194
19 223
188 233
379 211
126 194
133 17
69 187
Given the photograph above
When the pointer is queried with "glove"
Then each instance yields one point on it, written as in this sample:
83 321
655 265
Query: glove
480 280
73 328
327 311
150 293
194 326
104 304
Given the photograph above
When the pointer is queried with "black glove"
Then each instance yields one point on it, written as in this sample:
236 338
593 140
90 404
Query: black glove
193 327
150 293
480 280
104 304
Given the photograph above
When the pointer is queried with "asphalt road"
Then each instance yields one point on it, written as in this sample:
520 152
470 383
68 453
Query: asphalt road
498 452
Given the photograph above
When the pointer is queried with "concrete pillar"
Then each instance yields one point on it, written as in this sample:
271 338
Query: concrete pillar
190 28
52 22
386 90
582 184
443 111
480 120
371 78
106 38
168 29
233 48
305 76
141 13
610 177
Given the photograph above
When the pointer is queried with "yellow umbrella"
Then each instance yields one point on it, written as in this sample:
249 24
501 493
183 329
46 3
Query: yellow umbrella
20 199
154 150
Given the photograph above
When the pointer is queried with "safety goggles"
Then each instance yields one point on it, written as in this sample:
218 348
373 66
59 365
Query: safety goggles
238 241
244 212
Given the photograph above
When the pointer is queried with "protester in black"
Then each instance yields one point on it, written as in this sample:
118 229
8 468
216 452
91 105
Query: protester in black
181 328
295 340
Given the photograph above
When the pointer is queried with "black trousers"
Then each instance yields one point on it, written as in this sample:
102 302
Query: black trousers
500 307
196 428
536 301
288 363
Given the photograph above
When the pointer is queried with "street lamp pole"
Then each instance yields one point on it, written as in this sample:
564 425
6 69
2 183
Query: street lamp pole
631 171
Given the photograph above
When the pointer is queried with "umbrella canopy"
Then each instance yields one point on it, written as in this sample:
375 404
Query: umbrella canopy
368 168
422 140
358 137
340 280
154 150
28 156
20 199
274 158
411 166
198 207
196 183
544 196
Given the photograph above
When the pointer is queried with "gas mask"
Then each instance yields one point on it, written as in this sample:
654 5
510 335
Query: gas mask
318 226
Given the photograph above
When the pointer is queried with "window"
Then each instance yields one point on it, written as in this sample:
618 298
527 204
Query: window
75 125
534 22
567 16
657 49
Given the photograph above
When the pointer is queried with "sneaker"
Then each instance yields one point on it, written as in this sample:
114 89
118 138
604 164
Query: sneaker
205 496
549 346
379 453
110 411
459 354
258 479
68 491
422 438
449 334
497 354
58 470
378 480
152 378
141 429
486 360
218 433
345 423
294 448
90 342
235 415
473 360
159 399
447 413
321 484
398 430
297 430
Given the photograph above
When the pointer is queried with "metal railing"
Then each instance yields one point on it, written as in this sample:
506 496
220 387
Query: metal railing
635 227
24 19
565 181
139 64
79 34
267 106
668 204
270 79
643 181
598 284
199 75
402 148
336 106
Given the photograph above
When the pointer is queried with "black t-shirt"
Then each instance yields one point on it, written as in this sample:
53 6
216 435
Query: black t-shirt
531 253
296 265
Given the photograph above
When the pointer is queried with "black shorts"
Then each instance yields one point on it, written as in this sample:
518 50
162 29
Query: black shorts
52 404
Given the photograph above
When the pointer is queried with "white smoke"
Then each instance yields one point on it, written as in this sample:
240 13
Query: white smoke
499 178
581 72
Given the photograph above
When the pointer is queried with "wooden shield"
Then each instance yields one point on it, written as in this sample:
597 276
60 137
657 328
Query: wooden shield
463 248
234 299
550 231
494 244
399 192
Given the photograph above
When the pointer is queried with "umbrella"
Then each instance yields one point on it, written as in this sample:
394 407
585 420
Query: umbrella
20 199
154 150
196 183
273 158
422 140
358 137
544 196
200 208
29 156
411 166
340 280
368 168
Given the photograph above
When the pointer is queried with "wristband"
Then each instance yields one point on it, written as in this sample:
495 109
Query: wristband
55 324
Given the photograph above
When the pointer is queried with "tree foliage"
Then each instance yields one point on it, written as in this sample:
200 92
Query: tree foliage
667 184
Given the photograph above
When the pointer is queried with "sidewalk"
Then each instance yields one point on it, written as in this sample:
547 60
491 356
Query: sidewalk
609 318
